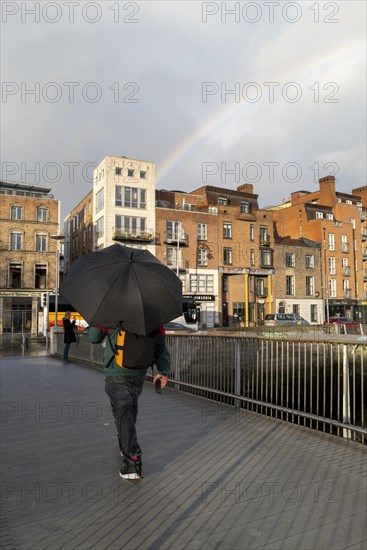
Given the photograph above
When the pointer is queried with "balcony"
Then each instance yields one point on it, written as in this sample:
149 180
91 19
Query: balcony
183 265
347 293
261 292
363 215
365 275
265 240
364 253
174 239
364 234
133 235
346 271
345 247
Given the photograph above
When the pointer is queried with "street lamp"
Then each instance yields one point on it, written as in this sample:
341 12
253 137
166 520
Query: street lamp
58 239
326 279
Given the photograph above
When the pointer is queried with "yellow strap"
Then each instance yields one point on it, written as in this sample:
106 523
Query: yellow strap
120 353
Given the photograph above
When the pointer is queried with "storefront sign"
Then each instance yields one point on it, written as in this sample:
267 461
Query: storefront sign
199 297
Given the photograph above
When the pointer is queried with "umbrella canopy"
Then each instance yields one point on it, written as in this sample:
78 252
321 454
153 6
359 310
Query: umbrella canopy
123 285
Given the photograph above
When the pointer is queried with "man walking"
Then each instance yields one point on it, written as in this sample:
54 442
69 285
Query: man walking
69 334
126 359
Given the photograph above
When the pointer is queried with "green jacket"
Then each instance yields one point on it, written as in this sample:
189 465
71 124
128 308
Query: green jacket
160 356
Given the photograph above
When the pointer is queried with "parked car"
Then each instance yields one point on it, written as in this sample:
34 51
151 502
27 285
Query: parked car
341 321
174 327
275 319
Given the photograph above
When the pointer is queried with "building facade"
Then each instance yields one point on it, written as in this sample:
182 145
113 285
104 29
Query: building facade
334 220
298 278
29 216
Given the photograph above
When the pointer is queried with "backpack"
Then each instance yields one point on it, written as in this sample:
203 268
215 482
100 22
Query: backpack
133 351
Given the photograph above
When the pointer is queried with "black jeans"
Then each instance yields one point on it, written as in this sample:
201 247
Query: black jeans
124 392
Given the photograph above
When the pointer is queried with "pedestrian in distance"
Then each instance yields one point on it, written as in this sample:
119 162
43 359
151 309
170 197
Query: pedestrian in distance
69 334
127 357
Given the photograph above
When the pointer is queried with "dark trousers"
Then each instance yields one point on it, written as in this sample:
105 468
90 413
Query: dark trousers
124 392
66 351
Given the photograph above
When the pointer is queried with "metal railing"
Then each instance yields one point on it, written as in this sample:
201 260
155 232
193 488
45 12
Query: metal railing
317 383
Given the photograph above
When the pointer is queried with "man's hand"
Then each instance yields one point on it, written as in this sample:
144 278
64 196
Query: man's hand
162 379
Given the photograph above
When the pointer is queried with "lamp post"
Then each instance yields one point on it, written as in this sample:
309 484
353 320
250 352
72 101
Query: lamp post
58 239
326 279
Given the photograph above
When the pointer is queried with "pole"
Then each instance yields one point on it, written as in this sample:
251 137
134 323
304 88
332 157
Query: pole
178 248
57 284
326 281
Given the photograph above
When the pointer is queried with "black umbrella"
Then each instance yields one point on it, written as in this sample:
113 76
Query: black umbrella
123 285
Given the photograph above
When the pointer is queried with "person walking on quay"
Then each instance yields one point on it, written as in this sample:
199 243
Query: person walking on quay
127 357
69 334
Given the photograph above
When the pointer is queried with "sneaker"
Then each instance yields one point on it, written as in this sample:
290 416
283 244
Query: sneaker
131 468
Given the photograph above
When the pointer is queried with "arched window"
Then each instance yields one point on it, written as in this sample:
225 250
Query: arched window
16 240
41 242
281 308
42 214
16 212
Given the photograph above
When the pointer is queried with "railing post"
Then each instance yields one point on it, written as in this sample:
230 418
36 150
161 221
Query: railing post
346 392
237 373
177 366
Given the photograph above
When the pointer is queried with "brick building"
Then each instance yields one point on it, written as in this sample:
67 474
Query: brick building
334 220
298 278
225 254
29 215
79 231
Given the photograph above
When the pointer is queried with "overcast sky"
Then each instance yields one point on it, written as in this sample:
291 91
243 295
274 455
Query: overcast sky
152 80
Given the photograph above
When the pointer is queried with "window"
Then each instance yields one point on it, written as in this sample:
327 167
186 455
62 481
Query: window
319 214
118 171
100 200
143 174
266 258
223 200
100 227
252 257
16 212
310 285
16 240
290 259
40 276
313 313
310 261
15 275
332 264
42 214
202 231
252 232
264 237
130 173
224 283
173 230
289 285
227 255
171 256
331 241
41 242
131 224
261 290
202 283
296 309
202 257
245 207
227 230
329 216
332 288
345 245
238 312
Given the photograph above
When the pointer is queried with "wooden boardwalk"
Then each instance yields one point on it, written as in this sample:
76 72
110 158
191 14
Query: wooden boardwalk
214 477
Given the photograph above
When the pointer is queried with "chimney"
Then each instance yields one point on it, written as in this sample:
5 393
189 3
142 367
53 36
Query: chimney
246 188
327 190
